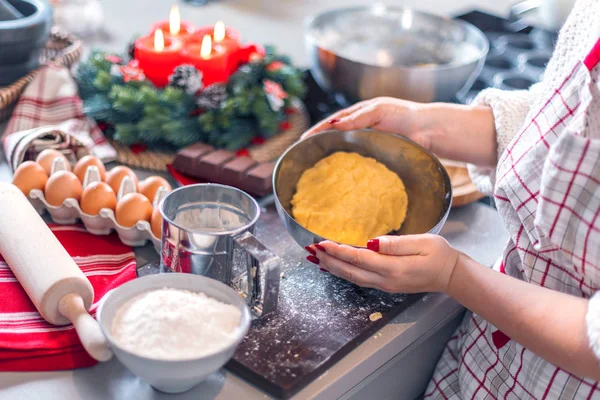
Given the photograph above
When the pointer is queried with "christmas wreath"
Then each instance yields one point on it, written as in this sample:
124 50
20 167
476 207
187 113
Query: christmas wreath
253 105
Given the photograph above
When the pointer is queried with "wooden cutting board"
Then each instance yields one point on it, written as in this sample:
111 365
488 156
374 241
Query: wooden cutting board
463 190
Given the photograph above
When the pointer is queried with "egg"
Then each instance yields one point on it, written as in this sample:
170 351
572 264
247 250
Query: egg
83 163
156 223
96 196
115 176
60 186
149 186
30 175
46 158
133 207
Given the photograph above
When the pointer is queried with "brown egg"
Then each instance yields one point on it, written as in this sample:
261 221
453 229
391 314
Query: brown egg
46 158
96 196
82 165
133 207
156 223
30 175
149 186
116 175
62 185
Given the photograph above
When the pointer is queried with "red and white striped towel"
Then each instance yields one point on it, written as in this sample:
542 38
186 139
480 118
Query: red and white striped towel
27 341
51 104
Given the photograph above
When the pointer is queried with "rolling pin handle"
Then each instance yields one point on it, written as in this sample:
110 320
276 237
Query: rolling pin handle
92 338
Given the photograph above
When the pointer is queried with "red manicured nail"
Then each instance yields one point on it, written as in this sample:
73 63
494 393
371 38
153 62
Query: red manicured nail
313 259
323 270
373 245
310 250
320 247
333 121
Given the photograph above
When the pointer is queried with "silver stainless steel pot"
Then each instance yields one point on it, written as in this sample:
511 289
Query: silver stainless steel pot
366 52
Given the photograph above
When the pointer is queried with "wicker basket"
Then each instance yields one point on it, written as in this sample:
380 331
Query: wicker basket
62 49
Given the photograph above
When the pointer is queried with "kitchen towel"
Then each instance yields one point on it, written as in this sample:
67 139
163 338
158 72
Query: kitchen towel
27 341
49 114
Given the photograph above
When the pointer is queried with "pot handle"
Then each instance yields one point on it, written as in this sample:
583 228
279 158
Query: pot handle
261 262
518 12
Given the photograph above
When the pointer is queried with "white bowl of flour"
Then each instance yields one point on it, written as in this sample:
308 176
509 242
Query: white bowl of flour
174 330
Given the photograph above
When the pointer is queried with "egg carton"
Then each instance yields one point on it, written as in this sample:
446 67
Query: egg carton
105 222
515 61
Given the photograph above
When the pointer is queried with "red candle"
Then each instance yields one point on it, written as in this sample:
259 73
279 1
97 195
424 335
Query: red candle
228 38
174 28
210 60
158 57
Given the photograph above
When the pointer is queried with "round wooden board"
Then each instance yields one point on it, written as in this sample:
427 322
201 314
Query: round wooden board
463 190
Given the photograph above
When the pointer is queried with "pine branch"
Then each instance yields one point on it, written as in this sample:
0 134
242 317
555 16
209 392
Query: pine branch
232 113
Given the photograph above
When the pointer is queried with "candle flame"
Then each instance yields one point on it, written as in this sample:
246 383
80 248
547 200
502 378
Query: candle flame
206 47
159 40
219 32
174 21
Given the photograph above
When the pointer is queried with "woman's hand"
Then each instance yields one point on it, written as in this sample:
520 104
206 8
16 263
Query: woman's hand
531 315
384 114
407 264
453 131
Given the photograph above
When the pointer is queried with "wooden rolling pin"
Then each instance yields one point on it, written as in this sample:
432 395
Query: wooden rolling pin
54 283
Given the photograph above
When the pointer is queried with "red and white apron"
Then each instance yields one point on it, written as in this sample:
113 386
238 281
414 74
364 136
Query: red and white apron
548 193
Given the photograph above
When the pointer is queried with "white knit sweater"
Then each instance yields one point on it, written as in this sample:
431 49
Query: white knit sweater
511 109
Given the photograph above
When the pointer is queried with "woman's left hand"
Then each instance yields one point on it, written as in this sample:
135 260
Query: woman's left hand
407 264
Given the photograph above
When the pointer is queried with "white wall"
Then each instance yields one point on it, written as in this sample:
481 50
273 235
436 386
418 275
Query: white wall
277 22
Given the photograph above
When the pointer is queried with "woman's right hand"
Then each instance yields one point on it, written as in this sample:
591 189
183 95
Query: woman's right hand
385 114
453 131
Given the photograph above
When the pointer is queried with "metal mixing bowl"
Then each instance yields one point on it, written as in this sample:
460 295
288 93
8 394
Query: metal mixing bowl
366 52
427 183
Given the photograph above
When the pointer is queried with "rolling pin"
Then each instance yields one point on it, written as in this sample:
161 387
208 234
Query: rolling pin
59 290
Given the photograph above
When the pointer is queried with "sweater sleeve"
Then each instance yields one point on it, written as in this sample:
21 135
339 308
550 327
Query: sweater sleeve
592 320
510 108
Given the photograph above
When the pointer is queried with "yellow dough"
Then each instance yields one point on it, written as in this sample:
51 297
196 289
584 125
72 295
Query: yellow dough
349 199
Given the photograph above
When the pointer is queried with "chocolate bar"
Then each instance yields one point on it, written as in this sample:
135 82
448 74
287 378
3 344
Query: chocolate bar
187 159
259 179
203 162
234 171
211 164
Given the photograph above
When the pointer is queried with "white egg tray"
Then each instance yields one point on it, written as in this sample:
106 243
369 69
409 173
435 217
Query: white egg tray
105 222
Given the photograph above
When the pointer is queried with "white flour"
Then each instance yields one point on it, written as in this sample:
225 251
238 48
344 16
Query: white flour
173 324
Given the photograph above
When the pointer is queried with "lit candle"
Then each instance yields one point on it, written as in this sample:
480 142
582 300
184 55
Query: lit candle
226 37
174 27
210 60
158 56
230 39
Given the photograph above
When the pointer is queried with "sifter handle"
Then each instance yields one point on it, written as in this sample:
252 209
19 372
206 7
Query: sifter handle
262 263
90 334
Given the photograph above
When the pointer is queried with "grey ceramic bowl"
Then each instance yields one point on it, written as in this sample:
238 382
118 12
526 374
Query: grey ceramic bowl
173 376
426 180
22 39
12 72
370 51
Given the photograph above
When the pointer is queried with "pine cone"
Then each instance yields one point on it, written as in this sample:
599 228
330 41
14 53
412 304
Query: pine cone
186 77
131 50
212 97
247 76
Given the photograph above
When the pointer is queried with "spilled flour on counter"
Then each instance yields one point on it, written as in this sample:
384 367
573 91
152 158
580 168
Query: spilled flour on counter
174 324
